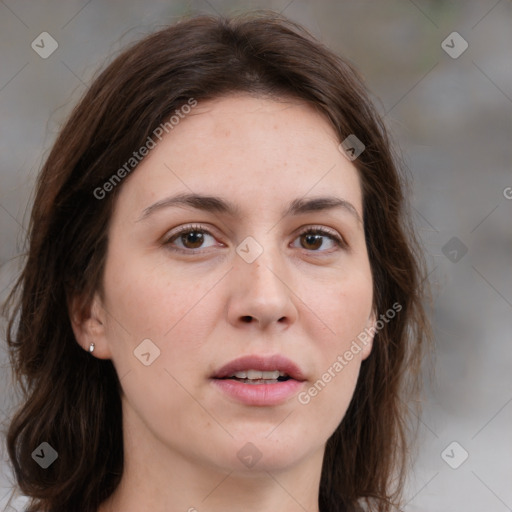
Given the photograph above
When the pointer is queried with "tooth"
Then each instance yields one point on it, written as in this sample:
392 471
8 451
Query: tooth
258 375
254 374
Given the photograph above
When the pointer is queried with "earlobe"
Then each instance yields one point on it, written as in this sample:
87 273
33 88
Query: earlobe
89 326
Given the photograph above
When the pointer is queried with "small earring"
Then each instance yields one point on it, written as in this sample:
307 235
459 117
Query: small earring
91 347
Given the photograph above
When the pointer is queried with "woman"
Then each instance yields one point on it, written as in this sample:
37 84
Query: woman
222 304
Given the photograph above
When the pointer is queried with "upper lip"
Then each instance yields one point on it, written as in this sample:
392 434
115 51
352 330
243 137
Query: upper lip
261 363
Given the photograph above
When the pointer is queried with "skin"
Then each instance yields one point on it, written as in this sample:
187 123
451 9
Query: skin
307 299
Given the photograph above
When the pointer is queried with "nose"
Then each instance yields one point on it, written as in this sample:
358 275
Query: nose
262 293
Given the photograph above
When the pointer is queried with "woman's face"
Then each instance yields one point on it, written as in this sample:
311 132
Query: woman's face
248 277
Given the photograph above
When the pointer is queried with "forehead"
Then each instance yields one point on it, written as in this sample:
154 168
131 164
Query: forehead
257 151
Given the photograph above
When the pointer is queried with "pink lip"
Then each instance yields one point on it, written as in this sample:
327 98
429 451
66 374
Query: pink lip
260 394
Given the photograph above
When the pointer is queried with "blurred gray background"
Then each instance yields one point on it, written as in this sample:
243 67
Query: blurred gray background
449 110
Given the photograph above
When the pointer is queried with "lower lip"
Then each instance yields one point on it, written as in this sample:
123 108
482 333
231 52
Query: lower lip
259 394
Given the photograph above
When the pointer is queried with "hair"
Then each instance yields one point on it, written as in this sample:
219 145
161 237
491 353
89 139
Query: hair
72 400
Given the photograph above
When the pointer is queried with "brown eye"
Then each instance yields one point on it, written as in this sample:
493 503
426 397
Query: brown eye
192 239
310 241
188 239
314 239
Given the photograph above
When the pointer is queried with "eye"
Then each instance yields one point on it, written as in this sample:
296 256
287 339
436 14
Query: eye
190 238
313 238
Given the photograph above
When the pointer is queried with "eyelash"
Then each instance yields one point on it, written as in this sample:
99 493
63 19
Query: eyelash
312 230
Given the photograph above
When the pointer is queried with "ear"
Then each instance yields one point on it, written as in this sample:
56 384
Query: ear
89 323
370 335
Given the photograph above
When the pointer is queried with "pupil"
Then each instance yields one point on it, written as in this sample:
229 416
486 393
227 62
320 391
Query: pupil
311 239
194 238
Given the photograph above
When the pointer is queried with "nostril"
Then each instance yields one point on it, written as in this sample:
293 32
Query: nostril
247 318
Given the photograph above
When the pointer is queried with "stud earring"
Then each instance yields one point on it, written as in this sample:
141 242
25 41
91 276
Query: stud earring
91 347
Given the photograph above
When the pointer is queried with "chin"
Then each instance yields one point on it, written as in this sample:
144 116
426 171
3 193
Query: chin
248 453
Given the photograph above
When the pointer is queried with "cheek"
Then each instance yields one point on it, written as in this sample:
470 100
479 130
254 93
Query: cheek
152 300
173 309
342 306
328 395
175 312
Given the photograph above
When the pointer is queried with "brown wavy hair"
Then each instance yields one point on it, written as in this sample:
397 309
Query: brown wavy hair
72 400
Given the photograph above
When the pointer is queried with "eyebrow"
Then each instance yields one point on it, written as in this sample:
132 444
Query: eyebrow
215 204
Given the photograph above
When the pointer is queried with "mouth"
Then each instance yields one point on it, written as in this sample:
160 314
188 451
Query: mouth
260 370
259 380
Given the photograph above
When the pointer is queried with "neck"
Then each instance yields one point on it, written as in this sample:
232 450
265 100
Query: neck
162 479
